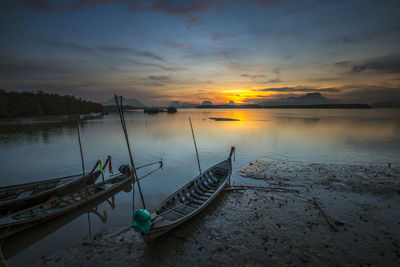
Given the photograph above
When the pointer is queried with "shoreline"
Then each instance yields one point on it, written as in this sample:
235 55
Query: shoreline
271 227
46 120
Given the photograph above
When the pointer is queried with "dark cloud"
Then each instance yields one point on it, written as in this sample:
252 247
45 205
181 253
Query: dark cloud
194 10
46 6
33 68
253 76
221 36
366 36
148 54
370 94
389 64
276 80
135 62
183 7
300 89
160 78
386 64
102 49
175 45
193 21
265 3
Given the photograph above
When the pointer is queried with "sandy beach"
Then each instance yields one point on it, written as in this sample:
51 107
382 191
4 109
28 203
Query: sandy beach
284 223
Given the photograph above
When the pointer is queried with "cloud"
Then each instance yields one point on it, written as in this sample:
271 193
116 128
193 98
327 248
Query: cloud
193 21
344 64
300 89
160 78
386 64
370 94
32 67
194 10
179 7
47 6
265 3
102 49
366 36
175 45
253 76
277 80
389 64
277 71
221 36
135 62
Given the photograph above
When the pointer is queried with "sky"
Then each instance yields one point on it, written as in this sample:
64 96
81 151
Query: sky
158 51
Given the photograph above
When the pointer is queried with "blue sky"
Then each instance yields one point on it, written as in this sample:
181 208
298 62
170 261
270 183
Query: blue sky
162 51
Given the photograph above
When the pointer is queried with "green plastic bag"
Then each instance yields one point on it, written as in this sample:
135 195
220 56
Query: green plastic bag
141 221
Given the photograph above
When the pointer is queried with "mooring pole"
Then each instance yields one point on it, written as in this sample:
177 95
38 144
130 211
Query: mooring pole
82 160
195 146
121 115
80 145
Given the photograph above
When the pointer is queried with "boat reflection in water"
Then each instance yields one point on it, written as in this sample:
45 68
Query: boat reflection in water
22 240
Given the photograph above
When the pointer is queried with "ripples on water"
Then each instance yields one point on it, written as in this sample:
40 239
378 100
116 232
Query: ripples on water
332 136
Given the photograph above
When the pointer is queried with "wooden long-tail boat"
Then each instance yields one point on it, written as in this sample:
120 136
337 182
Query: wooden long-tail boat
190 199
17 197
60 205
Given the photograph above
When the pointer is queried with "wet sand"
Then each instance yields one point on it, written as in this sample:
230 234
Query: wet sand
270 226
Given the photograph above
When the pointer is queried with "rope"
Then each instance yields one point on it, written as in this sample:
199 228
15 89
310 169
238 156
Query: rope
160 162
150 172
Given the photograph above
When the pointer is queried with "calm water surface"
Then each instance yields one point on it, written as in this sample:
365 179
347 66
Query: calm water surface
310 135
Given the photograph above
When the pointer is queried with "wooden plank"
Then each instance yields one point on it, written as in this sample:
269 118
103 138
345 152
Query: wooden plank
185 209
25 194
177 213
197 201
171 216
203 193
200 197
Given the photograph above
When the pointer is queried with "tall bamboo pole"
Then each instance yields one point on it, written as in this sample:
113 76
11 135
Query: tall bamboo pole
121 115
82 160
195 146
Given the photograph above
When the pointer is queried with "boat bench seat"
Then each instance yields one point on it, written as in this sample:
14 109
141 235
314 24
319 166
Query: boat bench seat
25 194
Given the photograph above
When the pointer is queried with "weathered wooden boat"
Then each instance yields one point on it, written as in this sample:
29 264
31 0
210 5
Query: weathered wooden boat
60 205
18 242
17 197
189 200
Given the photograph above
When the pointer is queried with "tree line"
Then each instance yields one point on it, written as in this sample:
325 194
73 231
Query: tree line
41 103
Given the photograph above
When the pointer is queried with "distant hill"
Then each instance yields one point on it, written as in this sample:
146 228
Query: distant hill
307 99
125 101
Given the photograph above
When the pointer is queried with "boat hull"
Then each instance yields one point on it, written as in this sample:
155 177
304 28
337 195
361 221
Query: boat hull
61 186
190 200
32 216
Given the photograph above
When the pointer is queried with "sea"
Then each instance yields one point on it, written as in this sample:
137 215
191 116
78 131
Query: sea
32 153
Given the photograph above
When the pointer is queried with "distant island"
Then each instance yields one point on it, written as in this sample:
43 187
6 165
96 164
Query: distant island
17 104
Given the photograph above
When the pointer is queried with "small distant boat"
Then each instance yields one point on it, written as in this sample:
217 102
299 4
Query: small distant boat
190 199
151 110
16 197
57 206
171 109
